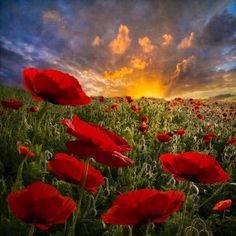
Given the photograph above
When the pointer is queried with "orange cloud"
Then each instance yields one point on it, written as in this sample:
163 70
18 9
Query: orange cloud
168 39
97 41
122 41
187 41
146 44
138 63
117 74
184 65
53 16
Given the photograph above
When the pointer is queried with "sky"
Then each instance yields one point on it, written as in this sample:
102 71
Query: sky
159 48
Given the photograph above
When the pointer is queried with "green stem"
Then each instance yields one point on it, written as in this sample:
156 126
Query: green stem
81 193
189 184
213 195
31 231
148 228
127 231
41 116
18 182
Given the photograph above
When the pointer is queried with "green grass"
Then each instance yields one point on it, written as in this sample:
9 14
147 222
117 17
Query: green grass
18 127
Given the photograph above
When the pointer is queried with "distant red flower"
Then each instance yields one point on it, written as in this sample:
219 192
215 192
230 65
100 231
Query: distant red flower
193 166
134 107
144 118
231 141
97 142
143 127
41 204
208 137
25 151
171 133
129 99
140 108
163 137
34 109
11 104
101 99
143 205
68 168
114 106
222 205
200 117
180 131
54 86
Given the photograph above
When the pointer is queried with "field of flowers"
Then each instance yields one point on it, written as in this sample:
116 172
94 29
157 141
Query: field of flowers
115 166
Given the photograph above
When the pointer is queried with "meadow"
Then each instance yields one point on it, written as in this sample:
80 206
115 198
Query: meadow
43 132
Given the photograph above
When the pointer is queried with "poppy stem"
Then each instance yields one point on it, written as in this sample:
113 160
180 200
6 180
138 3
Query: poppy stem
148 229
127 231
189 185
31 230
18 183
81 193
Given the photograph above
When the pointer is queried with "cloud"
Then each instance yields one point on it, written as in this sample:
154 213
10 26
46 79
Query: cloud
187 42
97 41
118 74
53 16
220 30
122 41
184 66
138 63
146 44
168 39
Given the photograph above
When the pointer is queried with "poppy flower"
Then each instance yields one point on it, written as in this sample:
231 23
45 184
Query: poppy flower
96 142
41 204
143 205
163 137
114 106
208 137
129 99
68 168
54 86
11 104
25 151
180 131
200 116
144 118
143 127
101 99
134 107
222 205
193 166
231 141
34 109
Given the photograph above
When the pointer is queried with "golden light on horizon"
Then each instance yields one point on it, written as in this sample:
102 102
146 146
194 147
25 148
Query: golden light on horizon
147 88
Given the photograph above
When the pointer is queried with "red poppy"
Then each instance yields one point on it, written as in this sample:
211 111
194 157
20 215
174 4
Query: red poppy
231 141
163 137
129 99
134 107
208 137
114 106
222 205
97 142
54 86
25 151
144 118
180 131
143 127
193 166
68 168
11 104
101 99
200 117
41 204
139 206
34 109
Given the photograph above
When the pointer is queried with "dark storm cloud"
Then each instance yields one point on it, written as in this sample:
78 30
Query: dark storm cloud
185 42
220 30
